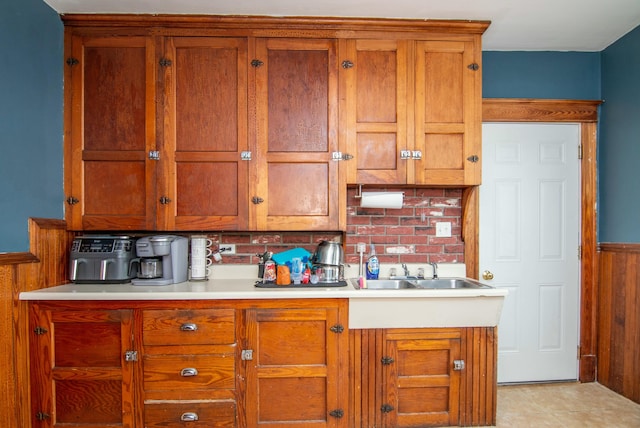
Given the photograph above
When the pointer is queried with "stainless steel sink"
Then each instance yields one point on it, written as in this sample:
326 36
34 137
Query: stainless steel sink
430 284
389 284
448 283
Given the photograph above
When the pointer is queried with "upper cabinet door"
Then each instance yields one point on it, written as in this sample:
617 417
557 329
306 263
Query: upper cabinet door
204 134
448 113
296 186
109 177
374 77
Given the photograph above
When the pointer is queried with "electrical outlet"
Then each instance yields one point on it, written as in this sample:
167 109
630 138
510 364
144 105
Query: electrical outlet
227 248
443 229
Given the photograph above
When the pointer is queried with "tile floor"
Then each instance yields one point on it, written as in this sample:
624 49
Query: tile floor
565 405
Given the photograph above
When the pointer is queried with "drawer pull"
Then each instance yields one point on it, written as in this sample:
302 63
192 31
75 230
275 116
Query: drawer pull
189 417
189 327
188 372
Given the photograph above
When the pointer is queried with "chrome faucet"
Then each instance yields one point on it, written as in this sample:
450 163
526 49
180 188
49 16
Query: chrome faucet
435 270
406 269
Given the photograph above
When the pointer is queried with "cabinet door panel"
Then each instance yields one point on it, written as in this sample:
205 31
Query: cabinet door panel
112 128
421 385
79 372
296 135
447 113
205 132
375 110
295 376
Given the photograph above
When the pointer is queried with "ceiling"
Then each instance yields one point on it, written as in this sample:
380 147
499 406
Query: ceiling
554 25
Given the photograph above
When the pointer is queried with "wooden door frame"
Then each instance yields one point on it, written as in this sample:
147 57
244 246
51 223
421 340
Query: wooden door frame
585 113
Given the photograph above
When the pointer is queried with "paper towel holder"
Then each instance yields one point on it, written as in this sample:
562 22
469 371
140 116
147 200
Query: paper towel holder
380 199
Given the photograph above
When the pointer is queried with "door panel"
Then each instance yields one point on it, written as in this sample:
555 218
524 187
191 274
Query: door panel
529 235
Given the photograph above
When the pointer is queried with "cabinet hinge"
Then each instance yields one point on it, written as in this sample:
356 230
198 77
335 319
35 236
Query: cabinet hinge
246 355
131 356
579 252
580 153
165 62
347 64
473 158
256 63
72 201
473 66
41 416
337 413
257 200
165 200
72 61
386 408
40 330
338 328
386 361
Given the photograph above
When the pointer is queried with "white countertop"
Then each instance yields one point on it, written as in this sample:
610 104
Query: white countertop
402 308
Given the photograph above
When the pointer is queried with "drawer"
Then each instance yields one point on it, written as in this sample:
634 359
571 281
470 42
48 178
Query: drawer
189 372
210 414
188 327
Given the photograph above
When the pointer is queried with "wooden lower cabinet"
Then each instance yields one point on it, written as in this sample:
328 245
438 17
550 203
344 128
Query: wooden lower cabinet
423 377
189 363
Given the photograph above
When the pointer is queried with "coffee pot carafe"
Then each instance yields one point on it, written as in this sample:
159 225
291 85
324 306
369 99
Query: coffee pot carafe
162 260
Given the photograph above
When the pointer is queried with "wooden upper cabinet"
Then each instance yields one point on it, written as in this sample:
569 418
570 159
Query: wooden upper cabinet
448 109
296 184
204 134
109 178
374 79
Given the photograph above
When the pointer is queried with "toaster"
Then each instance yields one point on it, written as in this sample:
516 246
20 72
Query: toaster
101 259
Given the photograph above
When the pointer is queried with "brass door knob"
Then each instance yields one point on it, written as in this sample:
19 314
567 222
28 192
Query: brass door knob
487 275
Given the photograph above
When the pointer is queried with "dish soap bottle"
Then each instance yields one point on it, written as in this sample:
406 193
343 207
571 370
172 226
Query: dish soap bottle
373 265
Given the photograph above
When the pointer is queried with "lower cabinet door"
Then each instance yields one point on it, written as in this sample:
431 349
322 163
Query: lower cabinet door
204 414
80 375
421 377
297 373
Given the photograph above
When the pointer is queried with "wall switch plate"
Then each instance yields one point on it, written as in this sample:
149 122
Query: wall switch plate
443 229
227 248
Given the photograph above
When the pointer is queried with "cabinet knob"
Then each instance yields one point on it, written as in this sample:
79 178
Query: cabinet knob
488 275
189 417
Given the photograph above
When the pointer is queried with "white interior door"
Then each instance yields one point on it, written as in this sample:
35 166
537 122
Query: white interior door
529 240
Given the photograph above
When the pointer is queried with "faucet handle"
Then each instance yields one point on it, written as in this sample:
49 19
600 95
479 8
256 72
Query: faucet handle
435 270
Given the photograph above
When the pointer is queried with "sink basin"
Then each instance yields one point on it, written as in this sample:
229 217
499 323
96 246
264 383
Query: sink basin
389 284
430 284
448 283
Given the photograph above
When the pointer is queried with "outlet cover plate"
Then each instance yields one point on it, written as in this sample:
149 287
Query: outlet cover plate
443 229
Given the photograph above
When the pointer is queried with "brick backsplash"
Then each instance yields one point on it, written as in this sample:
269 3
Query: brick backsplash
405 235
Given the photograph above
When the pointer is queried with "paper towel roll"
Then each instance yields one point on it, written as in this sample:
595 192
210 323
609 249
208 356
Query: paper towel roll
381 199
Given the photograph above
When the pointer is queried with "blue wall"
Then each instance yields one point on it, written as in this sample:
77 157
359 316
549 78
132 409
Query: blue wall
31 46
619 142
31 183
560 75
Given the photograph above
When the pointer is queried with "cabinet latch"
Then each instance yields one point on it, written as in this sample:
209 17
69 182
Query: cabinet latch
245 156
339 156
405 154
416 155
246 355
458 365
154 154
131 356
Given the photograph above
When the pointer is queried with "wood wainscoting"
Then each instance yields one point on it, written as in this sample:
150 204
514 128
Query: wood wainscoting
619 318
44 265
